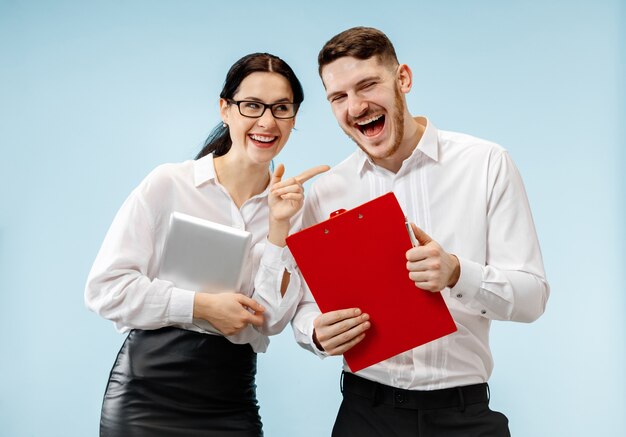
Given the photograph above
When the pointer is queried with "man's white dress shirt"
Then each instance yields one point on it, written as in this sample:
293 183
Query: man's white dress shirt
124 285
467 194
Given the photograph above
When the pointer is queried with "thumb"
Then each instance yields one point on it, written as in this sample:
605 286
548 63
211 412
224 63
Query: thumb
422 237
279 171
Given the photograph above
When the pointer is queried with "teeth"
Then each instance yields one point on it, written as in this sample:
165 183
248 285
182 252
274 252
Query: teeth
262 138
369 120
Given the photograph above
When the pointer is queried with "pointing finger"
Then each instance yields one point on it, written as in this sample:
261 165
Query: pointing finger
308 174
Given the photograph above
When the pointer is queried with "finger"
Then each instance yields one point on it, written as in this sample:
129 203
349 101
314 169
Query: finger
288 189
333 317
292 196
418 266
422 237
279 171
425 283
349 345
254 319
416 254
420 277
286 183
308 174
341 340
251 303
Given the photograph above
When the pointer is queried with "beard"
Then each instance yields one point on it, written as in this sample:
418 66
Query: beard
398 131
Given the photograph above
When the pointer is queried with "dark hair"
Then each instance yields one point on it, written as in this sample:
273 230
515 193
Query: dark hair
357 42
218 141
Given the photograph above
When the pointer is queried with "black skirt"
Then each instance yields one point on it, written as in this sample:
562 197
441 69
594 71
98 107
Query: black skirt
174 382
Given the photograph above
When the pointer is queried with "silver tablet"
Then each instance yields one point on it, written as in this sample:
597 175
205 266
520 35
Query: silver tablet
201 255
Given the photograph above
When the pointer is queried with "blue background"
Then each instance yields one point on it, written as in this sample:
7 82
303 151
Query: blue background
93 95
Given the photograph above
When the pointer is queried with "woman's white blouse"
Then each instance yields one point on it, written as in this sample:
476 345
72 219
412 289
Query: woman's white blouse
124 286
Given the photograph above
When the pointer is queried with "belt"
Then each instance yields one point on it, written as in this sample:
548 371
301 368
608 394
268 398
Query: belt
414 399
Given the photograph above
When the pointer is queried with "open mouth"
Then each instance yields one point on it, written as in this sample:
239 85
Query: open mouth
371 126
263 140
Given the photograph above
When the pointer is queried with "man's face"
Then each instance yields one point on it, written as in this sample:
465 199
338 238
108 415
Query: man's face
366 99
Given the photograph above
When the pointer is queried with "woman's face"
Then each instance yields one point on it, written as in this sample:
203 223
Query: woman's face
258 140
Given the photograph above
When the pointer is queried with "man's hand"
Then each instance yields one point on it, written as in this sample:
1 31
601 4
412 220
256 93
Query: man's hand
429 266
228 312
337 331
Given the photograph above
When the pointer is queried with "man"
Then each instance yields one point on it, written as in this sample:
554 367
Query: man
478 248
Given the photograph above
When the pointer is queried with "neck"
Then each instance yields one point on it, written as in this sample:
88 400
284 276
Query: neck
413 130
241 178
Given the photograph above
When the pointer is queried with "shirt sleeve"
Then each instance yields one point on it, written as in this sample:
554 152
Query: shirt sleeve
302 322
279 309
512 284
118 286
307 309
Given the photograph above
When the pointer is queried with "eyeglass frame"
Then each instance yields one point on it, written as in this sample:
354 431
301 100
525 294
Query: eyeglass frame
265 106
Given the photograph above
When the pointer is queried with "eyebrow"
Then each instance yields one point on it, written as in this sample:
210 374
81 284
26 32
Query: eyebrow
256 99
356 85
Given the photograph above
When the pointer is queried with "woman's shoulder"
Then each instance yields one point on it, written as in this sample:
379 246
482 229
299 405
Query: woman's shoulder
166 178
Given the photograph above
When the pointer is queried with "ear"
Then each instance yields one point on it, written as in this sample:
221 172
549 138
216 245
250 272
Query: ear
405 78
224 110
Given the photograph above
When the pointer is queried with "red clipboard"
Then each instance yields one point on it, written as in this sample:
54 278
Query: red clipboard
357 258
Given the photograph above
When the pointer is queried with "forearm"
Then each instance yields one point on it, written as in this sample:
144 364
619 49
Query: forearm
132 300
279 295
501 294
278 232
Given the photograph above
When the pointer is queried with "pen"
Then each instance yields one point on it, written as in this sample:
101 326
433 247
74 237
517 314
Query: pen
410 231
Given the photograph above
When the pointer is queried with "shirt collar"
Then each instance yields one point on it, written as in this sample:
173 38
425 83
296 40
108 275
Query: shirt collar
203 170
428 145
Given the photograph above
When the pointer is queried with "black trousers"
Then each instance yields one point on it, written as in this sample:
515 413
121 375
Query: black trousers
375 410
174 382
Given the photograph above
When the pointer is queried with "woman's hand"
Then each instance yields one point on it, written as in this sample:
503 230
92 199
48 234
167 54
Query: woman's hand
228 312
285 200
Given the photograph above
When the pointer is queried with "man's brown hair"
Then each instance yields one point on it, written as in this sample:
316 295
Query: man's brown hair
357 42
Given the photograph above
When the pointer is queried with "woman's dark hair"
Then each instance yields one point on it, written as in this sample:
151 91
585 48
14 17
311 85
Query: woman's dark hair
218 141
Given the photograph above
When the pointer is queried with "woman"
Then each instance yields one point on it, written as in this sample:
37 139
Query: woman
172 377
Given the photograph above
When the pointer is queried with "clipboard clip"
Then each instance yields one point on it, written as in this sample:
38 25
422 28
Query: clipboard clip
336 213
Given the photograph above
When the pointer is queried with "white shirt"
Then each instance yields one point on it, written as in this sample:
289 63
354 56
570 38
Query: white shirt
124 286
467 194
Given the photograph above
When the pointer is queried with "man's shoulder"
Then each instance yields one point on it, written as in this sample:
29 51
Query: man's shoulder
467 141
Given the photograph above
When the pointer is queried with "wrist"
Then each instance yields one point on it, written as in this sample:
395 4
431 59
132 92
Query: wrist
202 302
278 231
317 343
456 271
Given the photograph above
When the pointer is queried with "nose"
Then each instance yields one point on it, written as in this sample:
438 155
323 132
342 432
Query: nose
267 119
356 106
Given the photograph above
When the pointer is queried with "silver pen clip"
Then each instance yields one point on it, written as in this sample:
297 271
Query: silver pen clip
410 231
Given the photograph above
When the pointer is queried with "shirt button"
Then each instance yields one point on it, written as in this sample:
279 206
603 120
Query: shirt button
483 312
459 295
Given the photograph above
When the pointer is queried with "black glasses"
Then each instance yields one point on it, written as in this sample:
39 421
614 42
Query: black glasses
255 109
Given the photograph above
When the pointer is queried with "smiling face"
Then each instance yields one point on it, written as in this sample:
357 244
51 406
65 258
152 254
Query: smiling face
258 140
366 98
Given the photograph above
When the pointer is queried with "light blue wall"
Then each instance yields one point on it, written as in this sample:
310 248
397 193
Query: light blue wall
93 95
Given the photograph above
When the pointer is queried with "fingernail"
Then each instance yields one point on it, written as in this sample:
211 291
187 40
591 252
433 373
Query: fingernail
357 311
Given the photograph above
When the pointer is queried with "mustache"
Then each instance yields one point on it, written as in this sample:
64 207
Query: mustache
367 114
